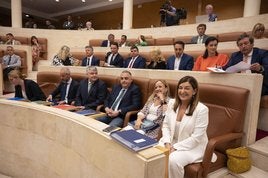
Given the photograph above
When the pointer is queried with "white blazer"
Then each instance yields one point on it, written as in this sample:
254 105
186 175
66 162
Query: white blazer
192 133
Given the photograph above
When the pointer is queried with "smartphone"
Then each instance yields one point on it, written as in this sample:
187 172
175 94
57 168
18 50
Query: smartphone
110 129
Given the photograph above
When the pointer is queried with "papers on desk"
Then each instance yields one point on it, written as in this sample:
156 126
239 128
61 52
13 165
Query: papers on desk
241 66
46 103
67 107
18 99
133 140
215 70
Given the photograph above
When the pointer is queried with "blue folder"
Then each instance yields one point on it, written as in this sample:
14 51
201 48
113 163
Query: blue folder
133 140
86 112
16 99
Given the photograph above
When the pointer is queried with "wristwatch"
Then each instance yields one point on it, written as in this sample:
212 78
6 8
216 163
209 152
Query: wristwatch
262 69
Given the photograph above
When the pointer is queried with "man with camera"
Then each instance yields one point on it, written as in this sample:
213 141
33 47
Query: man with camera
168 14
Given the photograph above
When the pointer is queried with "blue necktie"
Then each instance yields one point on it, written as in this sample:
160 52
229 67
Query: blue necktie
118 99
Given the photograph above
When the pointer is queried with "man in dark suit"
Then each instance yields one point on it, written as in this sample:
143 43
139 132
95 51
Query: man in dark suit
135 61
92 91
124 97
256 58
180 61
90 59
69 24
107 43
123 42
67 88
201 37
113 58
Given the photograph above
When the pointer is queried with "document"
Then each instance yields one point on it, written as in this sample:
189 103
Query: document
241 66
86 112
66 107
215 70
133 140
18 99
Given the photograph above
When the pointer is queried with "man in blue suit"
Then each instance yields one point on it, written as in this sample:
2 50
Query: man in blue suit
255 57
180 61
135 61
113 58
124 97
90 59
92 91
67 88
107 43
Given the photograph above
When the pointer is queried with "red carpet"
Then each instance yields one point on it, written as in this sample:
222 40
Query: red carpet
261 134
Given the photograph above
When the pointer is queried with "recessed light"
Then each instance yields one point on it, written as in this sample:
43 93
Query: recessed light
57 0
83 0
110 0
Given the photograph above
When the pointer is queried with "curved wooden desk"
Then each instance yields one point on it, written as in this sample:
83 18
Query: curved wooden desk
40 141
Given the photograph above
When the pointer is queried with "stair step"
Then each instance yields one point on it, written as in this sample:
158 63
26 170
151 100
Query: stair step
259 154
254 172
220 173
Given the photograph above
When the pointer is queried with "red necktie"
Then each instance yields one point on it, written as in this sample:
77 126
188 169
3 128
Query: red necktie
131 62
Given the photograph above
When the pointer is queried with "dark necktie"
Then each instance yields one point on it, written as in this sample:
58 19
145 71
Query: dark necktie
118 99
88 61
9 60
63 92
89 86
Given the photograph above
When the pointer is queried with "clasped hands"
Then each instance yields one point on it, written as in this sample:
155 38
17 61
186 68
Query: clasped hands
111 113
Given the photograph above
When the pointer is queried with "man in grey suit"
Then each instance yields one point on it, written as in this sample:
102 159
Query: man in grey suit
201 37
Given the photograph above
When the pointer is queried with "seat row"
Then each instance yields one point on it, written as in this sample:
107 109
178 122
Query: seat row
226 104
145 54
222 37
27 41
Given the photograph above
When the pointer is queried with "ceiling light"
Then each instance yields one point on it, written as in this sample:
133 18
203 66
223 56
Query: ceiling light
57 0
83 0
110 0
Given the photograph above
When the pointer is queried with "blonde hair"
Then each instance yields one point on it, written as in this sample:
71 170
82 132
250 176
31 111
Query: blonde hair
156 55
257 27
64 52
16 74
167 94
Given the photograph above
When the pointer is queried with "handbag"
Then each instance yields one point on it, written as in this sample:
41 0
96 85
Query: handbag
148 125
238 160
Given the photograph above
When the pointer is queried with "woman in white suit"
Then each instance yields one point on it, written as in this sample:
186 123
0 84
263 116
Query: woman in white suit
184 127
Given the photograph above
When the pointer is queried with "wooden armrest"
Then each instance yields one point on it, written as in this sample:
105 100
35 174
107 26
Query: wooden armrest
128 115
166 152
212 143
98 109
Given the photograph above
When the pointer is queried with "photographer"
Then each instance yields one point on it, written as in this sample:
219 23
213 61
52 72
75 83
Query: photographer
168 14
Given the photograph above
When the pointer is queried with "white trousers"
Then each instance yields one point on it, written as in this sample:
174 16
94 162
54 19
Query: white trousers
177 161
